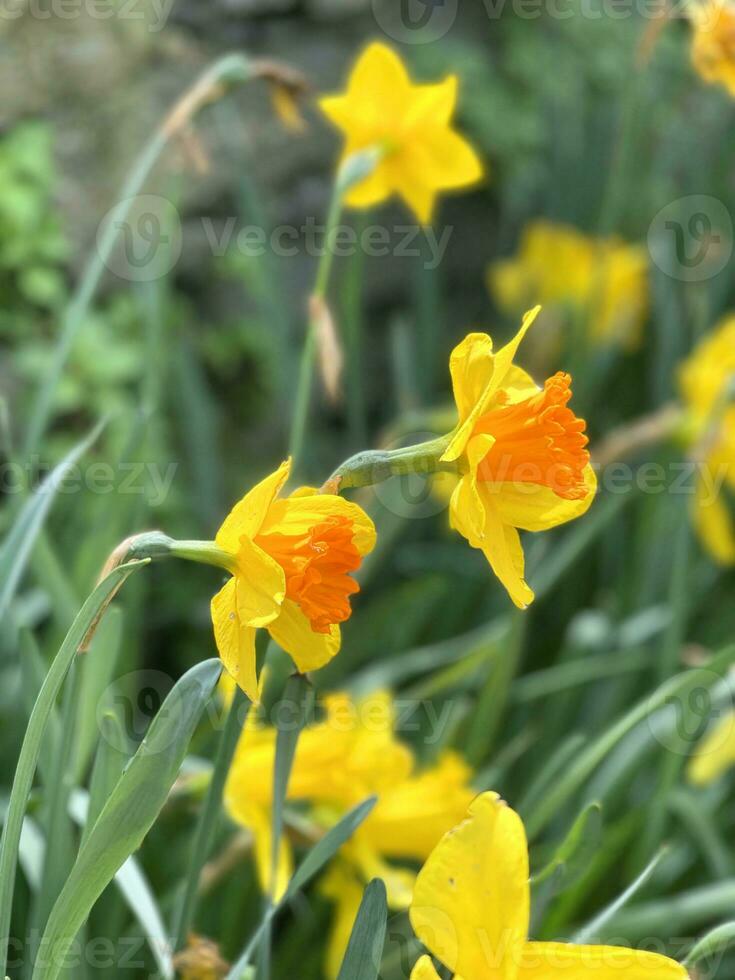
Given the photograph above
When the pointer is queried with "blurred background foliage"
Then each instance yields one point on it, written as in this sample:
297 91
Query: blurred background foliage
593 121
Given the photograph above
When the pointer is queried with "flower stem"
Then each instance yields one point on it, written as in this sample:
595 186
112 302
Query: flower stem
354 169
209 814
377 465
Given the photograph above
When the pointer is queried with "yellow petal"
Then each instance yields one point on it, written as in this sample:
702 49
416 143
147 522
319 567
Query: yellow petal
540 961
410 818
345 889
443 159
235 641
532 507
502 363
309 650
471 901
714 524
471 510
471 368
261 585
715 754
399 882
246 516
467 512
434 104
258 820
299 512
419 197
424 970
374 189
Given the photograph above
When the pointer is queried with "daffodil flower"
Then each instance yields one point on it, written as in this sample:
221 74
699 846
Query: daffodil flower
421 155
350 755
291 559
715 754
522 451
707 382
713 42
605 280
471 909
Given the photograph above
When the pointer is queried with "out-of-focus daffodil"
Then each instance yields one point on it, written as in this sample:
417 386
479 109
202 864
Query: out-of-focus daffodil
471 909
713 41
522 453
715 754
200 960
707 382
291 564
351 755
603 279
421 155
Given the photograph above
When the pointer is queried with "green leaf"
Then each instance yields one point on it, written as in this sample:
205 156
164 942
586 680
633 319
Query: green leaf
322 852
594 928
717 940
17 546
674 690
129 813
576 848
90 612
365 948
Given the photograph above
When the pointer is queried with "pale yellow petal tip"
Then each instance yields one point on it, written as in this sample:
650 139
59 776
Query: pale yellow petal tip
424 970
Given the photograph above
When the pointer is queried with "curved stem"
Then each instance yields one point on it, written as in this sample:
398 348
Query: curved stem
377 465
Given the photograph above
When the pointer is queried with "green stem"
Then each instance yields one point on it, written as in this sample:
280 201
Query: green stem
376 465
156 545
209 814
355 168
227 71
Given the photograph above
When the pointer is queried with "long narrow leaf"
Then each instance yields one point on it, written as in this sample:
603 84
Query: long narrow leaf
365 948
30 750
129 813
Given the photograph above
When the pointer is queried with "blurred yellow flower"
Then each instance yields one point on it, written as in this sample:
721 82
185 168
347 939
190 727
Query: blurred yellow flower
471 909
713 41
605 279
291 564
715 754
200 960
411 125
707 382
350 755
522 451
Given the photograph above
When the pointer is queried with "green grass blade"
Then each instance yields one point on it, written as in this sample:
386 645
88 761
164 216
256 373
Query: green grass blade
28 759
134 888
365 948
210 811
321 853
17 546
593 929
577 847
129 813
676 689
715 942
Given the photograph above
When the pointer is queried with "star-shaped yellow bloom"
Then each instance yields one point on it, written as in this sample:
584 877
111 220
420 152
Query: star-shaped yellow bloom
421 155
291 562
713 42
471 909
707 383
522 452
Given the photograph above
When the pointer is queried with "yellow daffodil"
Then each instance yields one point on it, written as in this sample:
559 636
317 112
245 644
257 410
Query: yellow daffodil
715 754
603 279
707 382
522 452
410 125
291 564
350 755
713 42
471 909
